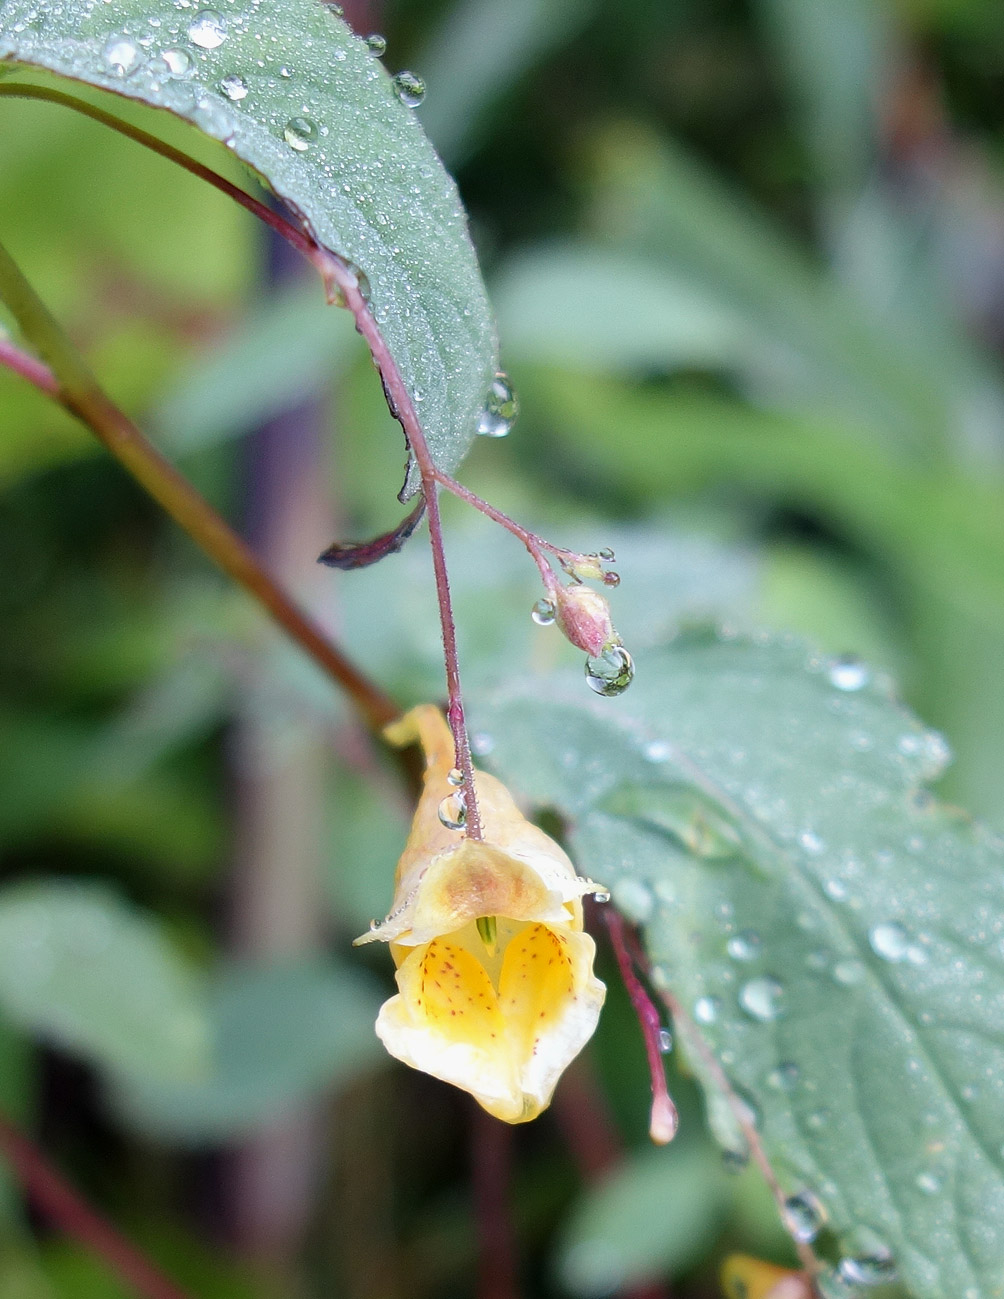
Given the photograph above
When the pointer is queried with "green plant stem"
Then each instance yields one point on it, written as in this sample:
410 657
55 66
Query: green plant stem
61 1204
68 379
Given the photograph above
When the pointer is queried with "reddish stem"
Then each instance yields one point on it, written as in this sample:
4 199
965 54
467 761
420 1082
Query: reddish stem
319 257
54 1197
28 368
492 1151
534 544
664 1118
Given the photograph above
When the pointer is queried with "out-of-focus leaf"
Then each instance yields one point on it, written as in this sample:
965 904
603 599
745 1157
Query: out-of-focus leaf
283 1033
281 354
655 200
652 1216
835 934
321 122
481 47
594 307
83 969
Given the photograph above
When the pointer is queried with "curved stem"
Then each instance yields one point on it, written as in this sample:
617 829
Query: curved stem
319 257
534 544
55 1198
71 383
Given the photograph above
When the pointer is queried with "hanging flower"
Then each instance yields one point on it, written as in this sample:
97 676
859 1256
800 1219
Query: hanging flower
495 975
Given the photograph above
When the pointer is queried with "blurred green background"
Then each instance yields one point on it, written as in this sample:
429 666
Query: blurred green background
748 263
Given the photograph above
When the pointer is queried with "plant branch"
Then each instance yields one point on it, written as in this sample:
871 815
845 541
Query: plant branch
54 1197
71 382
304 243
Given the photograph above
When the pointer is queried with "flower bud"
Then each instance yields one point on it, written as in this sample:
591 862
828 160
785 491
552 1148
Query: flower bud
584 617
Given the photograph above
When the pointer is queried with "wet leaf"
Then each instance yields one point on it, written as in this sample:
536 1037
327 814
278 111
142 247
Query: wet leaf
294 94
845 965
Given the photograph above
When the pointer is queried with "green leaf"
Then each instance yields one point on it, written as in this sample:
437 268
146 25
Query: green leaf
92 974
300 99
836 934
652 1216
283 1033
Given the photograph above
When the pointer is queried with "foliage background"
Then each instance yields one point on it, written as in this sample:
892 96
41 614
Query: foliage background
748 262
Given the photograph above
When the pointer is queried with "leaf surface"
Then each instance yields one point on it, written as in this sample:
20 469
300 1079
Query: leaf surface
85 970
294 94
836 935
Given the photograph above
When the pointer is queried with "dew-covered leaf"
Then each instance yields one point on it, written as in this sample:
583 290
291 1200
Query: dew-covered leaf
282 1033
83 969
294 94
835 933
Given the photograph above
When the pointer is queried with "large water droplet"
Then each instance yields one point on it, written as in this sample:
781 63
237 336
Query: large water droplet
453 812
208 29
665 1041
234 87
123 55
543 613
611 671
501 408
178 63
762 998
804 1216
849 673
455 777
744 946
409 89
376 44
300 133
706 1009
890 941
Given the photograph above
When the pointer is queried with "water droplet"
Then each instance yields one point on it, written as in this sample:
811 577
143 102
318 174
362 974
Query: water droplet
611 671
890 941
848 972
452 812
376 44
665 1041
285 72
607 555
208 29
868 1269
804 1216
300 133
784 1078
601 895
706 1009
543 613
835 889
482 743
929 1183
123 56
849 673
409 89
657 751
501 408
761 998
455 777
234 87
744 946
179 63
811 842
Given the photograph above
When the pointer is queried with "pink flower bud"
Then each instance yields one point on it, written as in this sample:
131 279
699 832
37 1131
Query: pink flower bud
584 617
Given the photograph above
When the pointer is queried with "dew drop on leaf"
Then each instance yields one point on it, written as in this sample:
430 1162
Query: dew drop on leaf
804 1216
744 946
890 941
234 87
849 673
208 29
409 89
123 55
376 44
706 1009
762 998
179 63
300 133
501 408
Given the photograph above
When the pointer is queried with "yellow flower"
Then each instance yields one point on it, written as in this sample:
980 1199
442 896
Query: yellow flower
495 975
